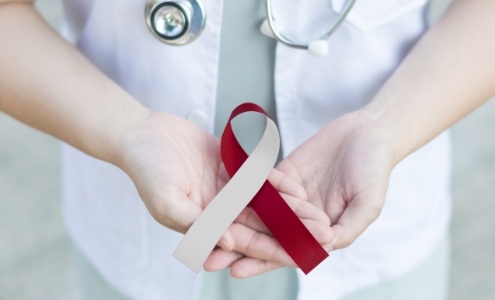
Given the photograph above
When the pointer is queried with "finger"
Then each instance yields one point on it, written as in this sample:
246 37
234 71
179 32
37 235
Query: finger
358 215
174 210
227 241
303 210
249 241
335 207
258 245
241 266
288 168
220 259
249 218
223 176
322 232
248 267
254 244
287 185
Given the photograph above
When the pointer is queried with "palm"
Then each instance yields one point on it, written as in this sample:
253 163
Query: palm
350 178
177 170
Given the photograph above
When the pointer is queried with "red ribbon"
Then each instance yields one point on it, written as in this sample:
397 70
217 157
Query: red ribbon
277 216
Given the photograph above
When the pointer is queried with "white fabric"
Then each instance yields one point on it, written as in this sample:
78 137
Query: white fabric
111 226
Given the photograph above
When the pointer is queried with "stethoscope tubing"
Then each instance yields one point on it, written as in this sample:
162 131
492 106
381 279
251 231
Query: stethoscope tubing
193 18
289 42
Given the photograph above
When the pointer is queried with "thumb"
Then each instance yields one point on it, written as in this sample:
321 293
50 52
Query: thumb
174 210
357 216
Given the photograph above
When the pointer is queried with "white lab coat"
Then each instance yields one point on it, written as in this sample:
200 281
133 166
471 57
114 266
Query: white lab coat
110 225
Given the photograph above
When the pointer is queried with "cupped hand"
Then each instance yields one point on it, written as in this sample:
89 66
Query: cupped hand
349 180
345 170
177 170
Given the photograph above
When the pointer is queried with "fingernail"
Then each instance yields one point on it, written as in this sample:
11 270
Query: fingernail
224 243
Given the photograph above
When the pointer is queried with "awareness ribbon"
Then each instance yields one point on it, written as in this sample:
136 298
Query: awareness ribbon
248 186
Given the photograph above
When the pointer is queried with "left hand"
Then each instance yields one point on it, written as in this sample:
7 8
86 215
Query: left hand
345 170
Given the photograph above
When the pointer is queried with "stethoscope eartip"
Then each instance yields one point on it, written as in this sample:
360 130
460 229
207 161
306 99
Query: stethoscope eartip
318 48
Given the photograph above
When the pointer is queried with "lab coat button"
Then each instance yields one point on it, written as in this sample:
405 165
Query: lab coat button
197 117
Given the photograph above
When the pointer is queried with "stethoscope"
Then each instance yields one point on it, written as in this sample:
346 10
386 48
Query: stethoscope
179 22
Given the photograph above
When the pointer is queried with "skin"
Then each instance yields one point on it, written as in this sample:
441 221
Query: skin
176 167
448 74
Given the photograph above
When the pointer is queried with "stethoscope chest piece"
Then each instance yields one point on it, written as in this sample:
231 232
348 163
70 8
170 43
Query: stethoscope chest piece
176 22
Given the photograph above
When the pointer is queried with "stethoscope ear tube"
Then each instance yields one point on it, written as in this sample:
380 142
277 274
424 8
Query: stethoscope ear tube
175 22
317 47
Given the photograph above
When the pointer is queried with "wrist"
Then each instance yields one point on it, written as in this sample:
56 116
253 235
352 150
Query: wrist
126 122
392 127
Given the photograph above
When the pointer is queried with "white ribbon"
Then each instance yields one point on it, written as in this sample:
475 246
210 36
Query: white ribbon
207 230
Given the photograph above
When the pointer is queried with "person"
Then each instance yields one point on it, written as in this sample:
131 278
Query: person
366 158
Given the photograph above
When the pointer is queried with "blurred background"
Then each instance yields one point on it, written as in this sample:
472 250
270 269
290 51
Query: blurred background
35 253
